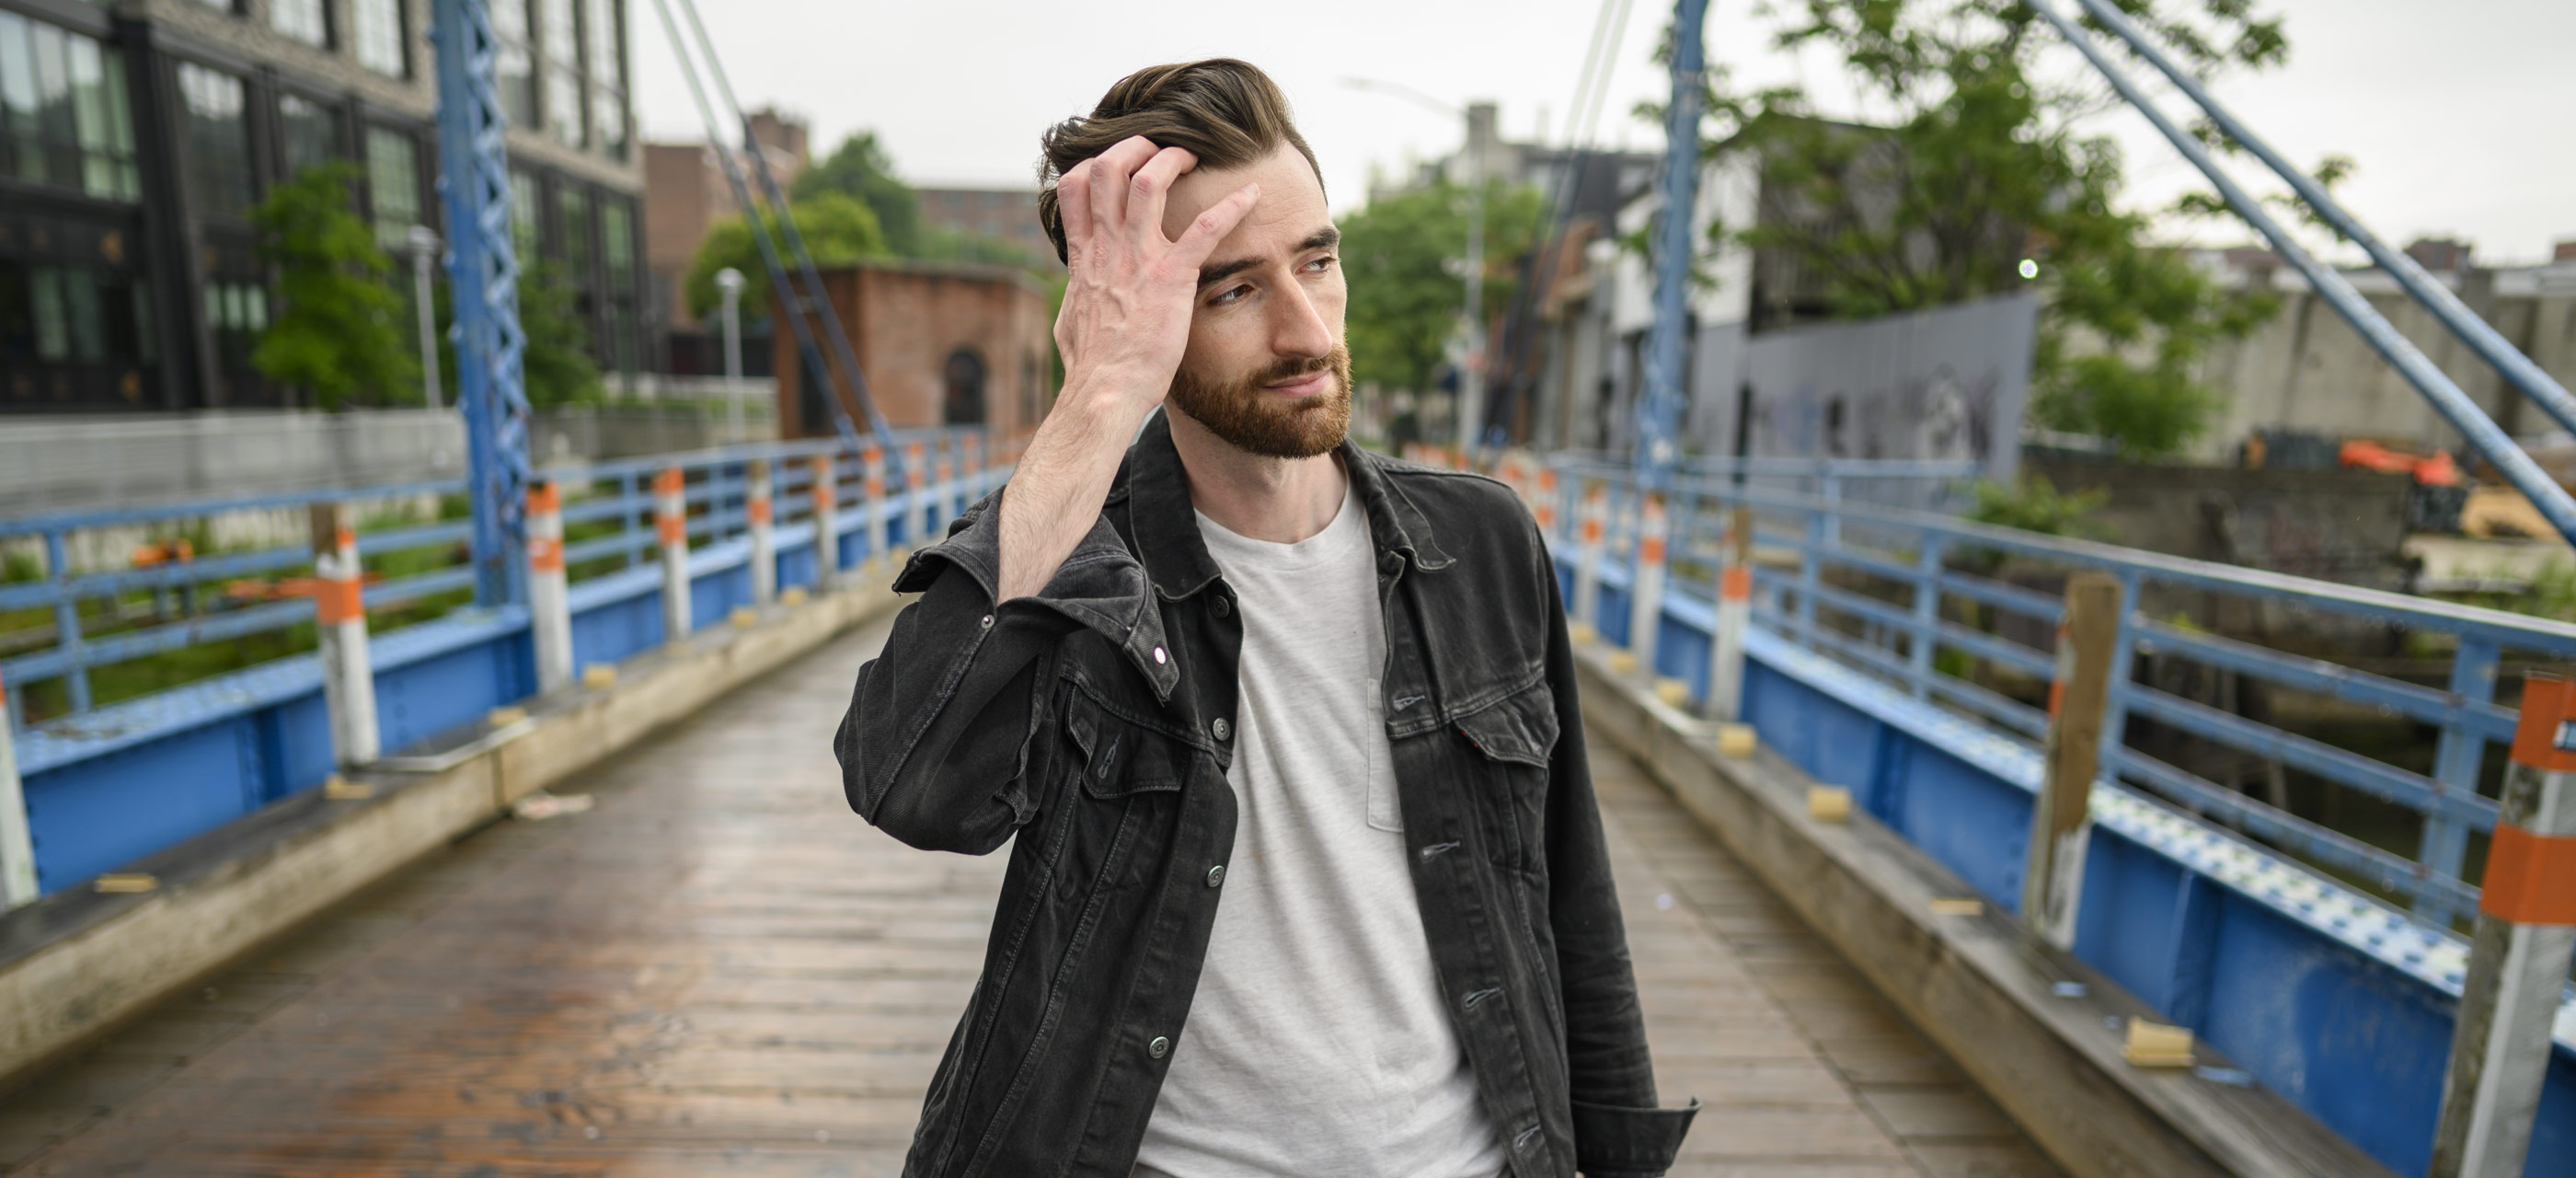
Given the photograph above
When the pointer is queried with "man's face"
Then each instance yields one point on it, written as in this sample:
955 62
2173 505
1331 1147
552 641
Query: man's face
1265 370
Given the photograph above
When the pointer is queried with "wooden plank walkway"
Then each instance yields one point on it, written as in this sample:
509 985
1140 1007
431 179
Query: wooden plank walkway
722 971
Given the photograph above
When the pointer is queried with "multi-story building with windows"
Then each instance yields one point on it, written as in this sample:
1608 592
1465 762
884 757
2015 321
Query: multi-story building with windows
135 135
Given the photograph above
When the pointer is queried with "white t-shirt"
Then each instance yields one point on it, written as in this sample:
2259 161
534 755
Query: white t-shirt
1317 1044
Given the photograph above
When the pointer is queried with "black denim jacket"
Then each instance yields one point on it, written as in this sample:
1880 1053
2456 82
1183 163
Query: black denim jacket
1093 722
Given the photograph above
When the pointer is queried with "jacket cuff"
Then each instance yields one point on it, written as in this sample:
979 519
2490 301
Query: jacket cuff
1611 1141
1101 586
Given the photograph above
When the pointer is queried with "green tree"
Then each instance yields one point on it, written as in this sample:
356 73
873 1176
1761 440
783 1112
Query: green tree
338 333
556 364
1401 255
1986 174
836 227
859 169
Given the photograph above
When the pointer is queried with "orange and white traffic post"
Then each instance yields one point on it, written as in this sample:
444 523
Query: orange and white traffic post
972 459
2518 956
879 529
340 614
764 544
1646 582
916 482
671 522
1734 616
1543 505
1587 557
947 493
17 844
549 593
827 520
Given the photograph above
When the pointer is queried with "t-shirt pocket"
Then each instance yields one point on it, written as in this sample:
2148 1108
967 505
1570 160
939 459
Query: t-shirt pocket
1383 812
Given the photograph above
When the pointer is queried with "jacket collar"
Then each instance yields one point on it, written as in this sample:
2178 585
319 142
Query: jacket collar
1167 530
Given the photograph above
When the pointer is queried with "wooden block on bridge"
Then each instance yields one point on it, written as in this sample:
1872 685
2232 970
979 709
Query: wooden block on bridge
1623 662
792 595
2155 1045
1958 906
1735 740
341 789
126 881
599 676
1828 803
505 715
1582 633
743 617
1673 692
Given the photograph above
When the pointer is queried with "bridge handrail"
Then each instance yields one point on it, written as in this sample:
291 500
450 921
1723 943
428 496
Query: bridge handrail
1814 532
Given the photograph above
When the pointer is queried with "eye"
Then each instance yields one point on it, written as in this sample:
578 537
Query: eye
1232 296
1321 264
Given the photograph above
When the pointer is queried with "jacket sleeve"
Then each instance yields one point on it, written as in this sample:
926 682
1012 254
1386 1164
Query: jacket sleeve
1619 1132
940 747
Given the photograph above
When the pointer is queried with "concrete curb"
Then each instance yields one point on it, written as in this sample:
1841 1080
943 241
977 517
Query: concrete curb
77 964
1981 987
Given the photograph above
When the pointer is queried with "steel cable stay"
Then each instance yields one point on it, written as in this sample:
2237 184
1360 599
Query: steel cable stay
2480 336
779 277
2447 399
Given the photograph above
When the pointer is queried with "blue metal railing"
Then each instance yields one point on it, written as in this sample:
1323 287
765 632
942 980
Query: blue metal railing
618 492
1879 589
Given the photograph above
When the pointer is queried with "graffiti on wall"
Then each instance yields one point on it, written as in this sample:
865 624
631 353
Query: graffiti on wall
1945 384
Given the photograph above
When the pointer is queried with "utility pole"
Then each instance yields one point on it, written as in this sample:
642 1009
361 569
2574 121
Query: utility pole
1659 411
729 282
424 247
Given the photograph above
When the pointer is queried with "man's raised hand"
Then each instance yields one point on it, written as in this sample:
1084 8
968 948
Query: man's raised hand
1129 290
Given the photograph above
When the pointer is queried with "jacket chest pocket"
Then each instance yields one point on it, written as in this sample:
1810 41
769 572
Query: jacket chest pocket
1127 784
1508 749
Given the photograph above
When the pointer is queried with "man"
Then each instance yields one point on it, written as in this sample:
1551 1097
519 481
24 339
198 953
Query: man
1308 878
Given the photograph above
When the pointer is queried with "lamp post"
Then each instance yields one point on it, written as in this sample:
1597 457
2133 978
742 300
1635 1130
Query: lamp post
1471 365
424 249
729 282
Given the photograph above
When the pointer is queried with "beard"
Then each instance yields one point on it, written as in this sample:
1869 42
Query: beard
1243 416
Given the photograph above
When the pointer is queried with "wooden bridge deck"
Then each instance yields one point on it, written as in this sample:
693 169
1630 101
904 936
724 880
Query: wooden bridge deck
721 971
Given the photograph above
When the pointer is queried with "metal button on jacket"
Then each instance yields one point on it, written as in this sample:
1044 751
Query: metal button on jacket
1159 1048
1221 605
1216 875
1223 730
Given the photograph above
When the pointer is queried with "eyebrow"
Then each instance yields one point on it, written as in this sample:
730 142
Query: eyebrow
1324 238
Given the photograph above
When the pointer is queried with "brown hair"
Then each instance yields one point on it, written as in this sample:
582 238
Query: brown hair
1226 112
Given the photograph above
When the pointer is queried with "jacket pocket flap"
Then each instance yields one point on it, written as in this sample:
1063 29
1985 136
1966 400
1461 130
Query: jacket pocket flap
1120 758
1520 727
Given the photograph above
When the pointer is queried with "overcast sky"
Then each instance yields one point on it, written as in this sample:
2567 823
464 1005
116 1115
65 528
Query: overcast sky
2459 115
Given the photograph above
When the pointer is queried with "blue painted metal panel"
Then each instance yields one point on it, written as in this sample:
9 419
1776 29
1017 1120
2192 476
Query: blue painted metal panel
2130 915
111 810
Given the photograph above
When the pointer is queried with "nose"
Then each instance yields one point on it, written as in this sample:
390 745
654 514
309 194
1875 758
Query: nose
1300 330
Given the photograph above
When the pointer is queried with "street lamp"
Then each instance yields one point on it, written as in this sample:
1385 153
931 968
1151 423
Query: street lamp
1471 369
424 248
729 282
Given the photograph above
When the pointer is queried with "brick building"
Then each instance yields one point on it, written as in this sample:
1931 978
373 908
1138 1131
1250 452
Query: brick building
686 193
939 344
997 214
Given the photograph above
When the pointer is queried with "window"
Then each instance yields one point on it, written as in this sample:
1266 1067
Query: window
301 19
617 243
561 41
607 79
218 141
56 319
572 216
309 132
527 217
964 376
378 31
63 113
393 185
512 67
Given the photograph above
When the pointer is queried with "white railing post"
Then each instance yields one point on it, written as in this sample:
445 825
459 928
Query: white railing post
549 592
916 482
973 461
827 515
764 546
1734 613
2061 820
17 843
948 494
1543 506
879 528
1646 583
1587 561
2518 956
671 522
340 614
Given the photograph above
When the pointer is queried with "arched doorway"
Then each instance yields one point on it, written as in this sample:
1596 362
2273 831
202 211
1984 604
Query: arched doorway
964 376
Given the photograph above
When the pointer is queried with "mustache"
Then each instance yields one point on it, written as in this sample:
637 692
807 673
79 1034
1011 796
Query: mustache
1291 369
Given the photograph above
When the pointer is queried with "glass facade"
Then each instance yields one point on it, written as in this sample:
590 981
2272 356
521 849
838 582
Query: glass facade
617 252
219 172
301 19
64 118
393 186
377 31
513 66
560 38
607 65
308 132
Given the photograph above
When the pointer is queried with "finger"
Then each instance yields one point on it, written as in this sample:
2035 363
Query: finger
1211 226
1109 172
1073 208
1152 184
